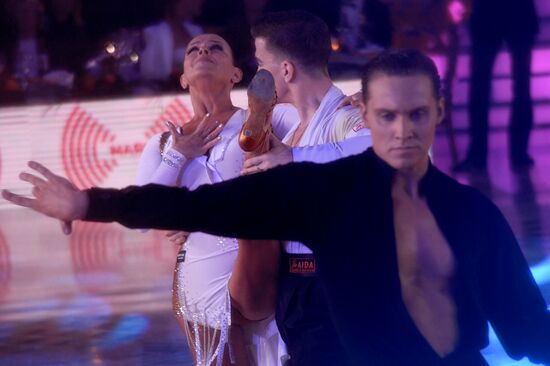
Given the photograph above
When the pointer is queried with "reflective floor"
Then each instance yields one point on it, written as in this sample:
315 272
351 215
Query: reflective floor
102 295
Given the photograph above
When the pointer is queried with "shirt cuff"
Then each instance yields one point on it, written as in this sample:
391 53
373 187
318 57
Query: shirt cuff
173 159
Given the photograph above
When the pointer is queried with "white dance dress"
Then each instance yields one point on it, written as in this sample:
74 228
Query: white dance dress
205 263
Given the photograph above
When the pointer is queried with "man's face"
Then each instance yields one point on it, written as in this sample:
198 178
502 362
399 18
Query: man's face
272 62
402 113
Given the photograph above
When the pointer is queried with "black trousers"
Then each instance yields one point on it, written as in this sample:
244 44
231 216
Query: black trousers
304 322
485 48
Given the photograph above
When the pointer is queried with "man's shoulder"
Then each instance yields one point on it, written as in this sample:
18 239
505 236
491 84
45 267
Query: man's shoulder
354 164
348 174
348 112
347 119
459 194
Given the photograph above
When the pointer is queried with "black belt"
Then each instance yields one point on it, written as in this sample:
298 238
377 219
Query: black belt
300 264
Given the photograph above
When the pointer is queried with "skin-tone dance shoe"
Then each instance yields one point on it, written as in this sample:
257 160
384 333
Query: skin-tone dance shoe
261 99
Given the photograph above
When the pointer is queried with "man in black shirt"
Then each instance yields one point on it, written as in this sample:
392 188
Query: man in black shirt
413 264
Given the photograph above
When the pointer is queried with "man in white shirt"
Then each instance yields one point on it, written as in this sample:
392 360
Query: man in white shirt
294 47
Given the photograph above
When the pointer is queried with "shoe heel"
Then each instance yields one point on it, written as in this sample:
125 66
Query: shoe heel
261 98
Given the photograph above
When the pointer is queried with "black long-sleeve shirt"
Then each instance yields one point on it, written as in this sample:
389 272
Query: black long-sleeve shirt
343 212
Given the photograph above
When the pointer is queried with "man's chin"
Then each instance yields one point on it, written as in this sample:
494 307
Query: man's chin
402 164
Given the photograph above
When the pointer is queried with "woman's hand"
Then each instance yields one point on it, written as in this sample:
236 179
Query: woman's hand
199 141
278 154
355 100
177 237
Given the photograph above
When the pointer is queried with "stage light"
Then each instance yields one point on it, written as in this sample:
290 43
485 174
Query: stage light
335 44
110 48
134 57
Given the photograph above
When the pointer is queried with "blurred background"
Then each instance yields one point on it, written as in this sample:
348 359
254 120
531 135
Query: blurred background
60 50
52 50
85 83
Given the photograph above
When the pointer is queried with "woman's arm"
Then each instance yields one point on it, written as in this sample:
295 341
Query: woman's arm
155 168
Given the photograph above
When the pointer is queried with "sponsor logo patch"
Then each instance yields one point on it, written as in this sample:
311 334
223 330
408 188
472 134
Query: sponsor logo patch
302 265
358 126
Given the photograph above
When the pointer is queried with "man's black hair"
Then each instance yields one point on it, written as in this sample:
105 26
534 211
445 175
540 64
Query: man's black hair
400 62
301 36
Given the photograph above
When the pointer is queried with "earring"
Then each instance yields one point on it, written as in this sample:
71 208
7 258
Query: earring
184 85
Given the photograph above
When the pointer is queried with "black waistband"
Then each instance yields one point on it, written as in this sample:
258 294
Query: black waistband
300 264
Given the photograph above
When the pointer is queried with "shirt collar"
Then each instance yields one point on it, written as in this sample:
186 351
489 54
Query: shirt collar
387 172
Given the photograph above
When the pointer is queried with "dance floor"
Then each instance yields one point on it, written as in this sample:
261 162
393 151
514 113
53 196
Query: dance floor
102 296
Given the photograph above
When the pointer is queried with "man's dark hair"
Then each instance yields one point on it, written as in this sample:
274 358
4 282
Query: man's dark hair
400 62
300 35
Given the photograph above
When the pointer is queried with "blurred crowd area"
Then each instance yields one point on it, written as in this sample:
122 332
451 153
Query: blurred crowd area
55 50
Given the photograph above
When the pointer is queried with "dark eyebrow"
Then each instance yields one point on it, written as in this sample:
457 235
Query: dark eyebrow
384 110
213 42
209 43
421 108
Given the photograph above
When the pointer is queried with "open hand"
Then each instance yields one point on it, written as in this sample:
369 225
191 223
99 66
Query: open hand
197 142
54 195
279 154
355 100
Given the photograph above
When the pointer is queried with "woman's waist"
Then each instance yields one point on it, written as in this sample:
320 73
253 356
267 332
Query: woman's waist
201 245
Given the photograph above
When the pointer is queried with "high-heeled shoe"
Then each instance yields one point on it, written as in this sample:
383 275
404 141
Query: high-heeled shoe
261 100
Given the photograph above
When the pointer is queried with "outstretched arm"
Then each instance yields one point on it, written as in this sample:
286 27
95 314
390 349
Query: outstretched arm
281 154
281 203
350 137
54 195
349 132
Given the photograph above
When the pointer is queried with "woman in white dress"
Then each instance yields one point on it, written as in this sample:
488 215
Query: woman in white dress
205 150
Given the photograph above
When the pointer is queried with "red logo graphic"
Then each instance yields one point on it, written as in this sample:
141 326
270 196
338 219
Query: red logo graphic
96 254
81 138
89 150
302 265
100 253
358 126
5 266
